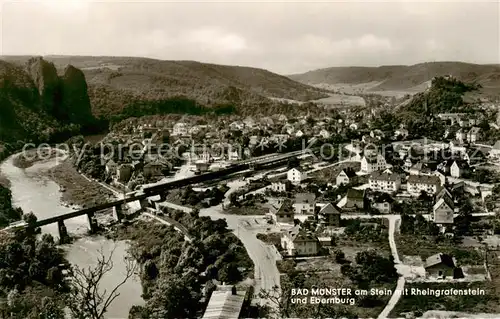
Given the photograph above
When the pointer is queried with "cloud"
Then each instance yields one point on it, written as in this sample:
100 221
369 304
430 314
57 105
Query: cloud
285 37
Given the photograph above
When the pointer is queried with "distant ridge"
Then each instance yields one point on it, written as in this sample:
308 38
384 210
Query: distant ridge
404 77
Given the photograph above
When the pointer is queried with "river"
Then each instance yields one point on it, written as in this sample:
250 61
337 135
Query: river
32 190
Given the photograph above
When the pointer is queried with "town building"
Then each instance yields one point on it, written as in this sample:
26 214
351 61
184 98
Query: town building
459 168
123 173
180 129
386 182
355 200
418 183
225 302
461 136
373 163
296 242
304 203
278 187
383 204
296 175
282 211
330 214
440 265
420 168
345 176
474 135
443 212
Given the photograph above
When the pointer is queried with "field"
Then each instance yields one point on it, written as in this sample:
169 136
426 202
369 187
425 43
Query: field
425 246
487 303
342 100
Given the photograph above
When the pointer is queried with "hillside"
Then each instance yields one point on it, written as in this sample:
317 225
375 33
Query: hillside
38 105
115 82
401 78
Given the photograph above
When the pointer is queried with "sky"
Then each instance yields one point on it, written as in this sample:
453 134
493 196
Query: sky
282 36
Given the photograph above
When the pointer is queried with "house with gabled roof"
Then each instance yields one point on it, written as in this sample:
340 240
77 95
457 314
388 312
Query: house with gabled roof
459 168
440 265
304 203
282 211
330 214
296 242
443 212
345 176
418 183
371 163
296 175
355 200
386 181
474 135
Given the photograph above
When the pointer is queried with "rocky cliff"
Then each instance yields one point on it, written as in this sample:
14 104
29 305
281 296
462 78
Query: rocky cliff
38 105
46 80
75 103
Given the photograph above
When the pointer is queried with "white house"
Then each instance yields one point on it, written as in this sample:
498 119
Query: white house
304 203
460 136
344 177
373 163
296 176
427 183
299 133
180 129
458 168
278 187
297 242
474 135
385 182
443 212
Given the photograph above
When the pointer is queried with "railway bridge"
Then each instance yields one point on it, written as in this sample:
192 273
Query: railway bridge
146 194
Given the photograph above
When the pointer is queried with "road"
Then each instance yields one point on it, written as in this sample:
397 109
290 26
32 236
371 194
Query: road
394 223
163 221
264 256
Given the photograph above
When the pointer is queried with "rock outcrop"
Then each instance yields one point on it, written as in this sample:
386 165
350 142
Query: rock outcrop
46 80
75 103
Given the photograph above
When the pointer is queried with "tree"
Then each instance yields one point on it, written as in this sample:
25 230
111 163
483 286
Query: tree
86 300
230 274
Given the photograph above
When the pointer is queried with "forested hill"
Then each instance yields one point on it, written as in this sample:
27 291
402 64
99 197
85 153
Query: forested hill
118 82
404 77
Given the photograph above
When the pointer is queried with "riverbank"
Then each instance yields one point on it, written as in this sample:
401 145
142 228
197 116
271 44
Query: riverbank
30 157
76 189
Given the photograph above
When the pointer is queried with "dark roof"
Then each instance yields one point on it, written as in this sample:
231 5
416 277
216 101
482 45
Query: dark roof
384 176
329 209
349 172
355 193
440 258
283 207
307 198
424 179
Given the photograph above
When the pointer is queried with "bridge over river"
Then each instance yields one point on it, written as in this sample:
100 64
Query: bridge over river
144 195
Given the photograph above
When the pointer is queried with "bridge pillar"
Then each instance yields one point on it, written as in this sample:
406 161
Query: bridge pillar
92 223
118 212
144 203
63 233
163 196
